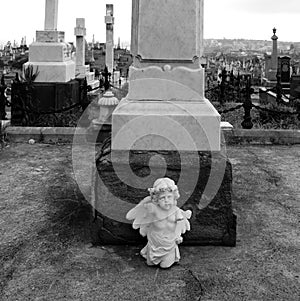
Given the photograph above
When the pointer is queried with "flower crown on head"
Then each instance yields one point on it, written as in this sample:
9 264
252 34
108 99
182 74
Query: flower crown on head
163 185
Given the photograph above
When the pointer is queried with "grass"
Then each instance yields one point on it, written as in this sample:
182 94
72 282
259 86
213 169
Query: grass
45 250
260 119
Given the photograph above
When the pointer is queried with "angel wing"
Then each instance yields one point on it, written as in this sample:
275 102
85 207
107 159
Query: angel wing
183 224
141 216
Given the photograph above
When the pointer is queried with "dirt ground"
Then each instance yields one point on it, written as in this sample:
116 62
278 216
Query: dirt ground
45 250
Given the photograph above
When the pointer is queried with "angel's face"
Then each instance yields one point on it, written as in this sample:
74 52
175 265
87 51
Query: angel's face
166 200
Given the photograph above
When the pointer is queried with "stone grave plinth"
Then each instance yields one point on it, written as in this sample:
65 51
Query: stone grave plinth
50 55
212 224
165 127
52 61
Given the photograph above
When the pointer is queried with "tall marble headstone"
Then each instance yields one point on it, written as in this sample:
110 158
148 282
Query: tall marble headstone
83 70
166 79
80 32
109 53
165 127
50 54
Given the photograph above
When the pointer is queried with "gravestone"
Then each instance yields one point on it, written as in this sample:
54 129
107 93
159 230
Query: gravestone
80 32
271 63
50 55
167 56
109 52
284 72
274 57
284 68
165 127
83 70
55 86
295 86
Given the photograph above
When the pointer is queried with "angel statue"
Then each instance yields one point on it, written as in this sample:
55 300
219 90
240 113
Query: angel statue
158 217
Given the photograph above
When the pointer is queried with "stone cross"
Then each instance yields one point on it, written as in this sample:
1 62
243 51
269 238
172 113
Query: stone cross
109 21
51 12
80 32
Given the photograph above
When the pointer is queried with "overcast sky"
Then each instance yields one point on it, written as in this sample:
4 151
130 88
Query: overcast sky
250 19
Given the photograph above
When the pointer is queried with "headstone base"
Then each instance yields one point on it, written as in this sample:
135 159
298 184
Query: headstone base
46 97
51 36
189 125
213 224
84 72
53 72
268 83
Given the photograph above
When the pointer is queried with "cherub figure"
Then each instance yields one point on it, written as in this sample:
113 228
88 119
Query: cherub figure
158 217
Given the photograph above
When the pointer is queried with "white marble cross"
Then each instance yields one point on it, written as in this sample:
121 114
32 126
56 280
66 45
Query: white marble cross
51 11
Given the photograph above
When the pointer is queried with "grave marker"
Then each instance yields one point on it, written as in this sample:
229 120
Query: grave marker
165 127
50 54
83 70
167 44
51 13
109 52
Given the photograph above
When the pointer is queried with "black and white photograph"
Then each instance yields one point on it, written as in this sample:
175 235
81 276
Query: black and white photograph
150 150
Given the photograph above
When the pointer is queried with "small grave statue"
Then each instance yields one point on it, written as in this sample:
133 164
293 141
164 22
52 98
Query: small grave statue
158 217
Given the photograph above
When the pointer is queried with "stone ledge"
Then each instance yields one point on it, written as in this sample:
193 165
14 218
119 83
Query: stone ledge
51 135
232 136
19 134
261 137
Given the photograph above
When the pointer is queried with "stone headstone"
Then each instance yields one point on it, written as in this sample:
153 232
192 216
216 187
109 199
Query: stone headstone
50 55
284 68
80 32
295 86
83 70
271 63
165 127
166 80
167 30
109 52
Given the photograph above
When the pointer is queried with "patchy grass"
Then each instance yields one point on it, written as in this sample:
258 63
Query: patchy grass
45 250
260 119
